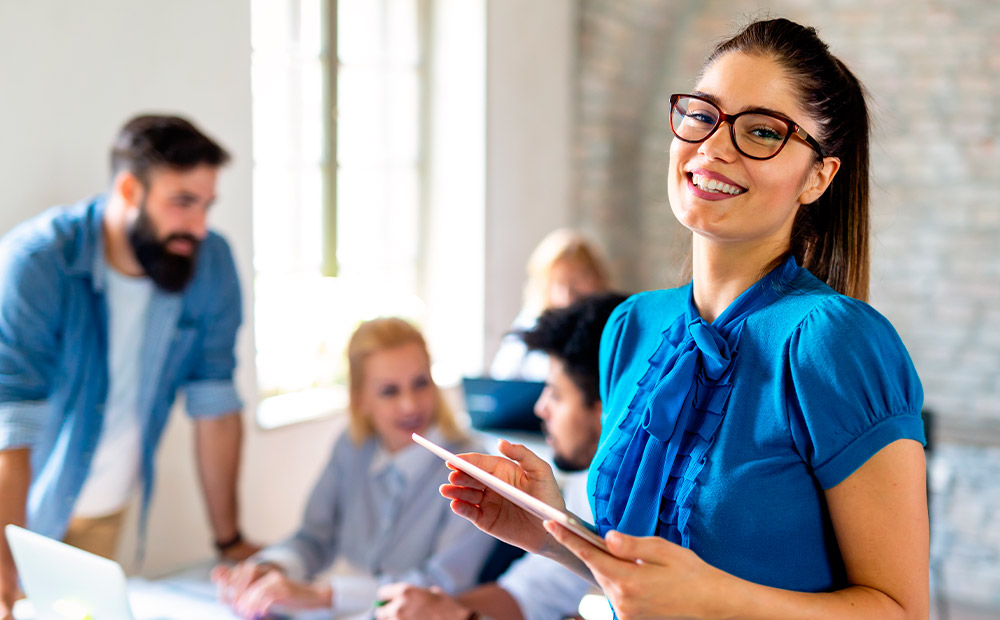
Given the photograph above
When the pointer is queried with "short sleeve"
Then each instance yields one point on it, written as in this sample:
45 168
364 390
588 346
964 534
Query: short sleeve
852 388
610 340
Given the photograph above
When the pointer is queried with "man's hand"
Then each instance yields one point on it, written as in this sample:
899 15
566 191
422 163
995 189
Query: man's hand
403 601
7 599
15 478
239 552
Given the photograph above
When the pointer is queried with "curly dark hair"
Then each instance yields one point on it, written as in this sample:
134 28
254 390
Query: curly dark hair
573 335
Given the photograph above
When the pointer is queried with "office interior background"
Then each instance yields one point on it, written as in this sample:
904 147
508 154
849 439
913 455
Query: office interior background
504 119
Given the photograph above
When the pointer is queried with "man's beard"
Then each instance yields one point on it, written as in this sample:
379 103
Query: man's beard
169 271
566 462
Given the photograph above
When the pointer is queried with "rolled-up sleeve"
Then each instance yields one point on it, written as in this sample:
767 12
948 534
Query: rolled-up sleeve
210 390
21 423
212 398
30 302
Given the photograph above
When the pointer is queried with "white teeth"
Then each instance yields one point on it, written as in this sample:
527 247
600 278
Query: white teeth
714 186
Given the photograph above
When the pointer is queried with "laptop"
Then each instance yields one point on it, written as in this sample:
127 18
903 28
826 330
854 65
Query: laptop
66 583
502 404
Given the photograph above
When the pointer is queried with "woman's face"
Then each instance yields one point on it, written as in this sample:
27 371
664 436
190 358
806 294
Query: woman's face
569 281
771 191
397 394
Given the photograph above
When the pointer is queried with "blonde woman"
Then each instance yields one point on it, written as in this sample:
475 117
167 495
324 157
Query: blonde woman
375 510
565 266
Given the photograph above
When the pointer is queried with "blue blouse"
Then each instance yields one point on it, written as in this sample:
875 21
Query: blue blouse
722 436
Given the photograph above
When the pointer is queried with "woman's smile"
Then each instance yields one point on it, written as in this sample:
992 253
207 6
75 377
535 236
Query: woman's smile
710 185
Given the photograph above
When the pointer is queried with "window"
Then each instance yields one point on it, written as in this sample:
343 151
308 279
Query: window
315 218
347 198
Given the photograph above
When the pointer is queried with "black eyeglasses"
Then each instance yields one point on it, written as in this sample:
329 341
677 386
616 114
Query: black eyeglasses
755 134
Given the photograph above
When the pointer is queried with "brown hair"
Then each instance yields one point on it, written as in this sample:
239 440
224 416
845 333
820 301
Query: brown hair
379 335
830 236
153 141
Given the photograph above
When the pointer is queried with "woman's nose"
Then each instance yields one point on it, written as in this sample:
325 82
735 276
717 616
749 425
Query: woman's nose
407 402
720 144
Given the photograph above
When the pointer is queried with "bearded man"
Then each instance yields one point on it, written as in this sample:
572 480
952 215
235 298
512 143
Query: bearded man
108 309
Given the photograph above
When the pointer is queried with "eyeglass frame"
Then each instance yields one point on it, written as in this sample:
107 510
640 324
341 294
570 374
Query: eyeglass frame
794 129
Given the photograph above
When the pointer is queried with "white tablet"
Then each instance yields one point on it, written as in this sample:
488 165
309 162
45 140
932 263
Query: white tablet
529 503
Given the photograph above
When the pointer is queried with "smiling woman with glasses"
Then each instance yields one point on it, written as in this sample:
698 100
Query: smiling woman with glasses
761 454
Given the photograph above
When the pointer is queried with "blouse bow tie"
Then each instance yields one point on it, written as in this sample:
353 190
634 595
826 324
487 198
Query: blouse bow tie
704 352
645 472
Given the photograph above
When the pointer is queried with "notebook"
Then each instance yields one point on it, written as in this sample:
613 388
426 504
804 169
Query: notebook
502 404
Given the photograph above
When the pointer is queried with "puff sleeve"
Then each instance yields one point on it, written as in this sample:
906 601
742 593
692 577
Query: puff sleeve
851 388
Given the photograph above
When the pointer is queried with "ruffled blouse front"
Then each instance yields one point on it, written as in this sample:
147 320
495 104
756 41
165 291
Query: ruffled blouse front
647 466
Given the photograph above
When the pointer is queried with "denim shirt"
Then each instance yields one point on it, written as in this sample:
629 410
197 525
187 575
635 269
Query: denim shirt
54 350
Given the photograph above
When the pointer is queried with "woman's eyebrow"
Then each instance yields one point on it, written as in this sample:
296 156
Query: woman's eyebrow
761 109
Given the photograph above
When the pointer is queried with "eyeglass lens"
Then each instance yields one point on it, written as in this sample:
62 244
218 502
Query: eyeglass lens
756 135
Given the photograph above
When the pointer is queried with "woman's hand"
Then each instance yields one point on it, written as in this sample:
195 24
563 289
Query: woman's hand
273 588
649 577
233 581
491 512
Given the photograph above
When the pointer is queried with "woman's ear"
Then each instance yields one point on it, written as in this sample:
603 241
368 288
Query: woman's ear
819 180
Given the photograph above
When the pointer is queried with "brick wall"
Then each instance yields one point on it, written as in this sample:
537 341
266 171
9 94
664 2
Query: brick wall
933 71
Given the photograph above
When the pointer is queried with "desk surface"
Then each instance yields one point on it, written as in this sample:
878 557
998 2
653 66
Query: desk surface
188 595
185 596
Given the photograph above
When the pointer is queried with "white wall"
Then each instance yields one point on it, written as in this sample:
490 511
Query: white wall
530 59
72 72
455 194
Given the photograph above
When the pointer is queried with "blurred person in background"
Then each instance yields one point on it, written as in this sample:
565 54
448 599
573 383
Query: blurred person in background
108 309
375 515
564 267
535 587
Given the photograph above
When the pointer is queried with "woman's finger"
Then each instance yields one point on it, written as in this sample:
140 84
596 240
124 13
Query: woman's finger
391 591
467 511
463 494
580 548
220 572
648 550
531 463
243 576
462 479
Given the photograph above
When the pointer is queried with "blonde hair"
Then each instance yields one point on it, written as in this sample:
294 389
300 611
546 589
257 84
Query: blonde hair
379 335
562 244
